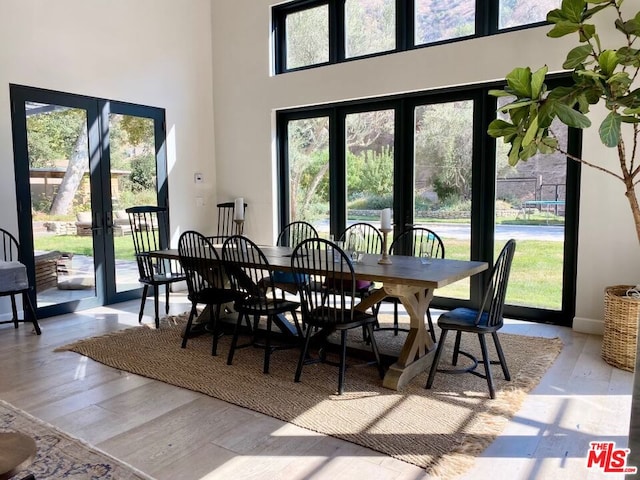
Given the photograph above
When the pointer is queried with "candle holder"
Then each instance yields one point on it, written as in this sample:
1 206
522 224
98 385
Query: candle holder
385 260
239 226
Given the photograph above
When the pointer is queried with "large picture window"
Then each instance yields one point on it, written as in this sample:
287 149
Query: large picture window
311 33
428 157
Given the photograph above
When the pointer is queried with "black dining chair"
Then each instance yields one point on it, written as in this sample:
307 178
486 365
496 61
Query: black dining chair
206 282
15 282
251 277
486 320
417 242
326 310
150 231
226 224
290 236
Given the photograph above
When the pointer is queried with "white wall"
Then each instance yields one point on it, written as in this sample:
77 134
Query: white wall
151 52
246 97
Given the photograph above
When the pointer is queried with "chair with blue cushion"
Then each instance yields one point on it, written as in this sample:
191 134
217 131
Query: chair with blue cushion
290 236
486 320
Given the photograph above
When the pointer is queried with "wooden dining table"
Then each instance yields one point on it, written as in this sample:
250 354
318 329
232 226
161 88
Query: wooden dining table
406 278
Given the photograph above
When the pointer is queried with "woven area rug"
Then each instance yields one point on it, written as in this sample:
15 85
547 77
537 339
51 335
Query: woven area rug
60 455
441 429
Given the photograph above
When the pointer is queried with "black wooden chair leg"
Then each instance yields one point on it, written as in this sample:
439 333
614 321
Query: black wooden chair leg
456 349
26 301
187 329
376 352
267 345
395 318
215 322
156 306
234 340
432 330
166 299
503 361
303 354
487 365
14 310
143 300
343 361
436 359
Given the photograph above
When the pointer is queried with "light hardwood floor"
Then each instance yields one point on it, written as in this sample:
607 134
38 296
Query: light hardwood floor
175 434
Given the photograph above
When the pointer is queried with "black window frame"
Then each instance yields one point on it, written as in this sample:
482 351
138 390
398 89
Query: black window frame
483 182
486 24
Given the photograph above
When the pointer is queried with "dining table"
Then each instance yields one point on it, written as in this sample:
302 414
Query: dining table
410 279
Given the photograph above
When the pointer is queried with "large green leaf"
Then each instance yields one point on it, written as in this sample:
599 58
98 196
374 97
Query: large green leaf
608 61
531 132
500 128
537 81
629 119
610 129
518 104
577 56
629 56
515 151
555 16
546 113
519 80
630 27
563 28
572 9
528 151
571 117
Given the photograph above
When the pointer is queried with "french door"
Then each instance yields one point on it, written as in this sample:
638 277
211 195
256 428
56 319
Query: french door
79 163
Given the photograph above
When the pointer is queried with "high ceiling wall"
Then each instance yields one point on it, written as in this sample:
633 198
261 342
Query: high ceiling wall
246 96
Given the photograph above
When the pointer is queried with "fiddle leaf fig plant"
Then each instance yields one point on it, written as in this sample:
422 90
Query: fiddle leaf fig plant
600 75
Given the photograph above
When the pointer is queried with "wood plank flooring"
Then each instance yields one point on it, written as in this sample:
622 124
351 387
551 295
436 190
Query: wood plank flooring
171 433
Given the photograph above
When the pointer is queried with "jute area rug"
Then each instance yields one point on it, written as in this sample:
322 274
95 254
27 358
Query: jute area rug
441 429
61 456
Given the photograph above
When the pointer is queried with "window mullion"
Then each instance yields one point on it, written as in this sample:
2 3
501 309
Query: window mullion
337 46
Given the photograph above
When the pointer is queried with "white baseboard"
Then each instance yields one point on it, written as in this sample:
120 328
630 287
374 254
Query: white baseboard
588 325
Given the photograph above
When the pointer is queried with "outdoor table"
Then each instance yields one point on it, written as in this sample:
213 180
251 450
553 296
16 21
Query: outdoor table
406 278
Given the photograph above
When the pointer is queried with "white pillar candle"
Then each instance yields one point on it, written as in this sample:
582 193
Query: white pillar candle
385 219
238 209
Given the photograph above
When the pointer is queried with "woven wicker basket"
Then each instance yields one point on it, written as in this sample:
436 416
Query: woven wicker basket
620 327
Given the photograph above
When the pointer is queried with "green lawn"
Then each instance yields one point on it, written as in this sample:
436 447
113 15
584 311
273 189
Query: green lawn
536 273
83 245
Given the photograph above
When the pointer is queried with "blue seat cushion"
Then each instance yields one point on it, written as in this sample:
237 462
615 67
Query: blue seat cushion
464 319
289 277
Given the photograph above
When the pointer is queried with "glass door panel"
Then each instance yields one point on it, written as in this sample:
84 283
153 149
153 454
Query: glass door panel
308 154
530 207
443 143
369 154
133 180
62 220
